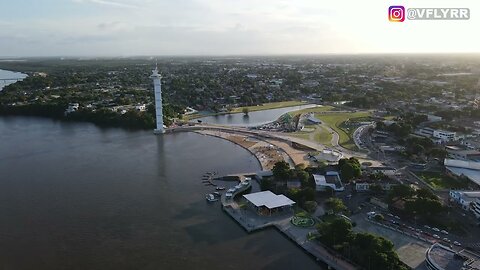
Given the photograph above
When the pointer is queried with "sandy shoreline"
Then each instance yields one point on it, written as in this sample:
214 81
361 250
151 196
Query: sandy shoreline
266 151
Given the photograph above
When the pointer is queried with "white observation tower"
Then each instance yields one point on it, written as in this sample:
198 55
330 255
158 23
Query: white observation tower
157 85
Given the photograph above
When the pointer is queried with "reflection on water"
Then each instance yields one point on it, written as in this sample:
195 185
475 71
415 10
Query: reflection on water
254 118
77 197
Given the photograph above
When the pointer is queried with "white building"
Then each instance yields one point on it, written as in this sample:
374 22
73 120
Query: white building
141 107
464 198
476 208
72 107
157 85
437 135
268 203
469 169
330 180
445 136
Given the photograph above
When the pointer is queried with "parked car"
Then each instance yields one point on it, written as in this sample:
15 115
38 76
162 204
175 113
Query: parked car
436 236
444 232
436 229
457 243
427 227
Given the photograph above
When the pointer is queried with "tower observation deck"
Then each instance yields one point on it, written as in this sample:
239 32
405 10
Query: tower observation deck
157 85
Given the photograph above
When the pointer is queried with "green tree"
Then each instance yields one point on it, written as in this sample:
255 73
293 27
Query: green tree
401 191
349 169
335 205
281 170
335 233
245 111
310 206
374 252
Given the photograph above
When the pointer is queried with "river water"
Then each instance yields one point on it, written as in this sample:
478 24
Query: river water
74 196
254 118
5 74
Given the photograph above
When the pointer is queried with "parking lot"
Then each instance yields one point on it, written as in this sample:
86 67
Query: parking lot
410 250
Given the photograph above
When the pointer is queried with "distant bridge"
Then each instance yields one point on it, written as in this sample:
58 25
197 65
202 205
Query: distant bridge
5 80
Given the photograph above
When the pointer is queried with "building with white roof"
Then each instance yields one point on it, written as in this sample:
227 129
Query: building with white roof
329 180
469 169
267 202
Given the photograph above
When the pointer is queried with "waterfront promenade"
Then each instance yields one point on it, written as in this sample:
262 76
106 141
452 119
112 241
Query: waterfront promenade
251 222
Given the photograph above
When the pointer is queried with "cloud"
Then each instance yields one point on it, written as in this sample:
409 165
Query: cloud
111 3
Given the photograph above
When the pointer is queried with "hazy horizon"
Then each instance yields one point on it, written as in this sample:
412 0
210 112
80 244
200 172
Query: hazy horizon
139 28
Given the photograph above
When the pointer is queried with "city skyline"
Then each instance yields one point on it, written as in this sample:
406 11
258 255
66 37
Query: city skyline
214 27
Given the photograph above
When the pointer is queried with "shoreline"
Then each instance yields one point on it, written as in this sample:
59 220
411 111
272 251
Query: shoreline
9 74
236 143
198 116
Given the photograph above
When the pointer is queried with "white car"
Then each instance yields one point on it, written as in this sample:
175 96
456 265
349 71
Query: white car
436 229
436 236
457 243
444 232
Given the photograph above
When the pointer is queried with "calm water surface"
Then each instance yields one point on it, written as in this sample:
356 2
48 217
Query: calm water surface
5 74
254 118
73 196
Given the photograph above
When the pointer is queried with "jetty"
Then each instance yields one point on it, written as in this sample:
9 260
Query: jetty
251 222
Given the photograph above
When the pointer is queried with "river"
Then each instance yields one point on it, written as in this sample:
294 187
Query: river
5 74
254 118
74 196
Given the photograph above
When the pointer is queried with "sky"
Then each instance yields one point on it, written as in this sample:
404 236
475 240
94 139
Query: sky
227 27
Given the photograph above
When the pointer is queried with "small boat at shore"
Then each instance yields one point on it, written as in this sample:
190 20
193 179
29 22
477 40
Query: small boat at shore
211 198
220 188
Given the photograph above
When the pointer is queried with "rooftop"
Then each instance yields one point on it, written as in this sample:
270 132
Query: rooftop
446 258
473 175
469 194
268 199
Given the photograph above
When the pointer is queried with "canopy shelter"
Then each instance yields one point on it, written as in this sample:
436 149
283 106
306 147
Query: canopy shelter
267 202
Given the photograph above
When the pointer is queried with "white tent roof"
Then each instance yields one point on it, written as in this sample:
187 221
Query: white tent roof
268 199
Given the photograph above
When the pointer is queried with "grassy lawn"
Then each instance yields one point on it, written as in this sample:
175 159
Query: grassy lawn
319 135
335 121
440 180
269 106
314 110
323 136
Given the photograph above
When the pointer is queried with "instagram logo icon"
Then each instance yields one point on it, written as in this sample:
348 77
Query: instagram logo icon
396 13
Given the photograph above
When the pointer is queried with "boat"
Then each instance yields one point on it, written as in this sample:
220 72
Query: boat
211 198
220 188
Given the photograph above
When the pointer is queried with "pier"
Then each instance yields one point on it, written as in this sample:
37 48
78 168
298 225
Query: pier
251 222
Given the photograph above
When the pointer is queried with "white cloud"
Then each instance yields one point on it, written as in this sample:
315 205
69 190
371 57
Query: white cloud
111 3
134 27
